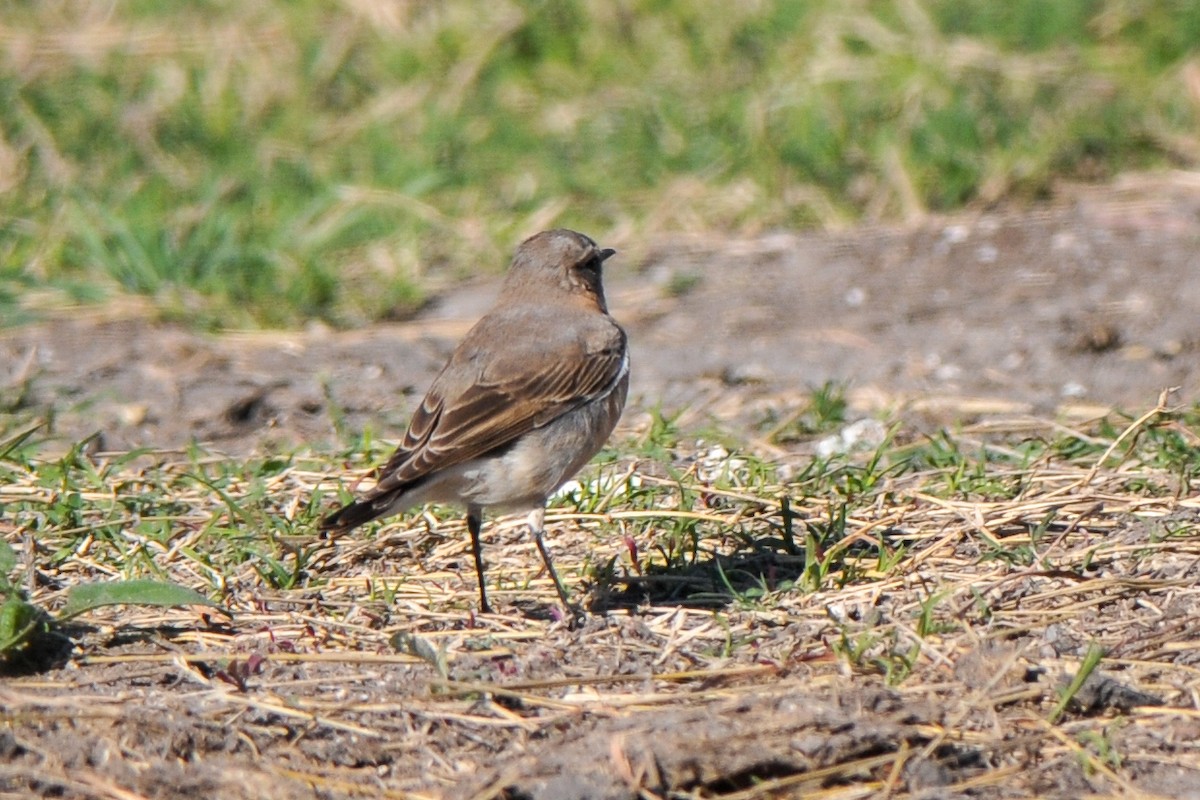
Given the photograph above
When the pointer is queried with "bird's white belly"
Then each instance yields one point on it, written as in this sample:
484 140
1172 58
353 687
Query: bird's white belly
540 461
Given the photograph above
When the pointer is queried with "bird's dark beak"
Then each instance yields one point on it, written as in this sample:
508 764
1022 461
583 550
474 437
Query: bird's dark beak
606 254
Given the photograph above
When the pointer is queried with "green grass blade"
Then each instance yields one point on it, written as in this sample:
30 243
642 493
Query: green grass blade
89 596
8 561
1091 660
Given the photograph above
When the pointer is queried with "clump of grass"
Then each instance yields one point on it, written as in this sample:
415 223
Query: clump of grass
741 527
63 489
267 163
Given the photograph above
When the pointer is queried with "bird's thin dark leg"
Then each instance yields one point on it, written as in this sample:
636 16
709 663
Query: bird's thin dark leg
474 524
537 525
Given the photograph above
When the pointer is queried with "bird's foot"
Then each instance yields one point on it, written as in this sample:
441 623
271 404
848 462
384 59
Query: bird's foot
573 615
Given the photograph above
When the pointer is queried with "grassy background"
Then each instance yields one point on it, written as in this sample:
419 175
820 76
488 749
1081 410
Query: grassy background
274 162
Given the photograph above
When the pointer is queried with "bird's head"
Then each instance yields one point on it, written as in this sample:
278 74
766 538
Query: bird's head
560 260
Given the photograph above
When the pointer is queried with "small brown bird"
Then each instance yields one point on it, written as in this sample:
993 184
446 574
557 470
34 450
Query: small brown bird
527 398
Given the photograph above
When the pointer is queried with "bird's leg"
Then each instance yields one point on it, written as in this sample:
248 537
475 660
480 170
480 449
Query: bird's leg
474 524
537 519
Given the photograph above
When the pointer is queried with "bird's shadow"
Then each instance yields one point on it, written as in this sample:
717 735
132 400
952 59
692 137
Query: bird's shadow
711 580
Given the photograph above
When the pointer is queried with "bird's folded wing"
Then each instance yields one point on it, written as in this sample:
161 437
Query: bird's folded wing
454 424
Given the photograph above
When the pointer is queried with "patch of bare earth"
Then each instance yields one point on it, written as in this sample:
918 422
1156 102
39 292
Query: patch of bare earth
939 675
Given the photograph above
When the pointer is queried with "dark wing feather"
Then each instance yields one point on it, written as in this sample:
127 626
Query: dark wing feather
471 411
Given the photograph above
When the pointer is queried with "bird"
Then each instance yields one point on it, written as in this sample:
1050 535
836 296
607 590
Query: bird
529 395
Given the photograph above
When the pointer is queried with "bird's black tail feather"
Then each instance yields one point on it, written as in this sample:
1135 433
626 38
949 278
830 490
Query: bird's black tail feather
371 506
349 517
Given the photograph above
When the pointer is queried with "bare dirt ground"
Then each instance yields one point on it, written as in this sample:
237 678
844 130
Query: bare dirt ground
1054 314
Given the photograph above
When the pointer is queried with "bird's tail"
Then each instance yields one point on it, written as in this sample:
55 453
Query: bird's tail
374 504
351 516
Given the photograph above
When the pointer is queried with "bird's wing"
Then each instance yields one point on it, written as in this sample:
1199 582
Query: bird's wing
485 399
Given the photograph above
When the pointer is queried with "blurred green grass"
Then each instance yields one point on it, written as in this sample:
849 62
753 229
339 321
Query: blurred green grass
251 164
